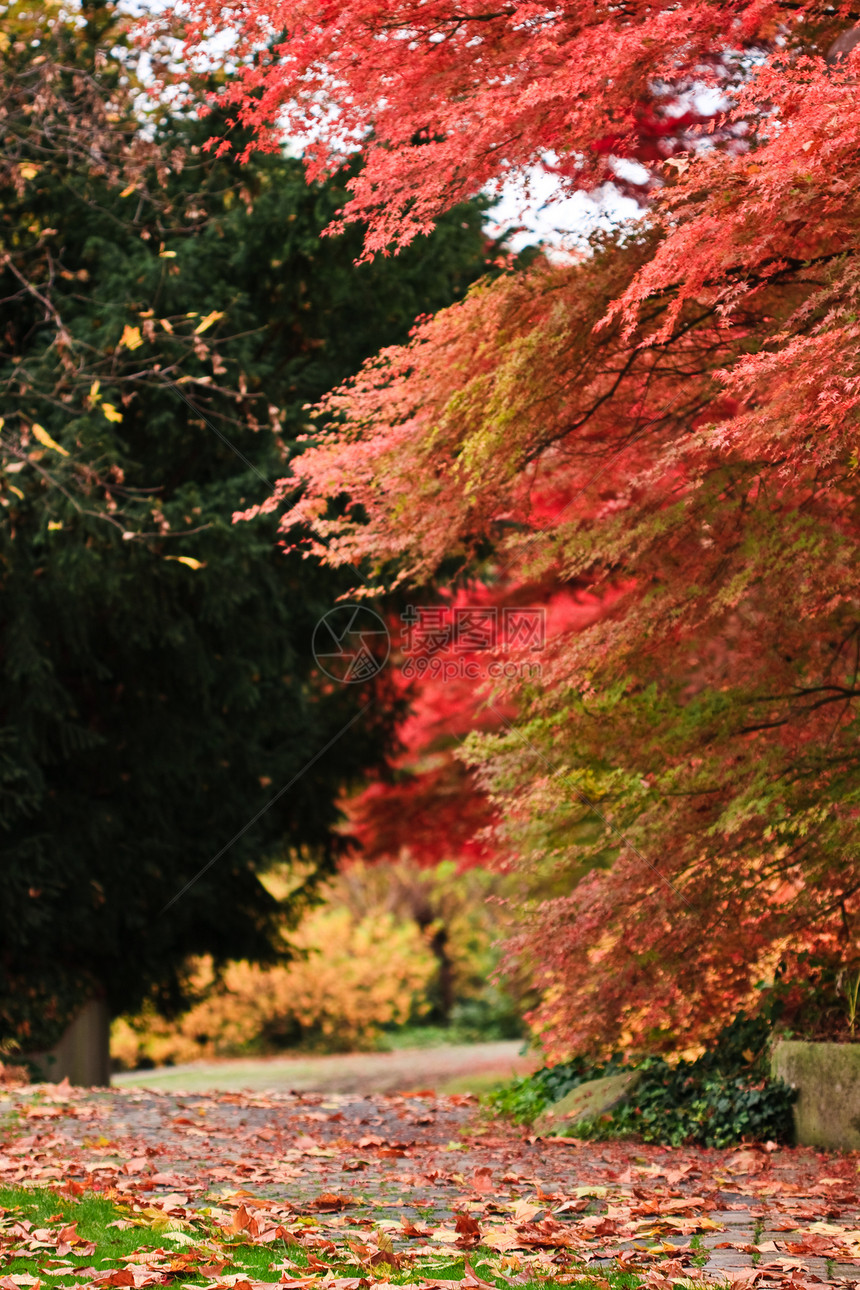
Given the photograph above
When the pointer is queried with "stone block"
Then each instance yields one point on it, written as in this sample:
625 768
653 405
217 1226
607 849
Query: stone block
587 1101
827 1077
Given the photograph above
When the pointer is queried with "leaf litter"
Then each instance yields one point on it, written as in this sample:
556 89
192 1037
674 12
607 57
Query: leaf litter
240 1191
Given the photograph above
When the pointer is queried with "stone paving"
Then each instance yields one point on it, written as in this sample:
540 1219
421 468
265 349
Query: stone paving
749 1216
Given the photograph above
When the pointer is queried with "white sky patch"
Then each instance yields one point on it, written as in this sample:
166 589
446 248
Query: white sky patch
539 212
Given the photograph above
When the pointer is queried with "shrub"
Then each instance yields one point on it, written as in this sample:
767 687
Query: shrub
352 979
393 945
723 1097
463 916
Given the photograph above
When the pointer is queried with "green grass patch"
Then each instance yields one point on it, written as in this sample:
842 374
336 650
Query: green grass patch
203 1252
482 1084
94 1216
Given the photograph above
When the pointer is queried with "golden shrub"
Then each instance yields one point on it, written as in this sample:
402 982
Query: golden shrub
353 976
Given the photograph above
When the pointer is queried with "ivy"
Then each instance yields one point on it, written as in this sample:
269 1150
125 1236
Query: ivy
723 1097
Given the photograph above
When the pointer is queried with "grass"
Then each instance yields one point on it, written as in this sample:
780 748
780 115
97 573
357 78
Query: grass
393 1041
93 1215
190 1244
700 1257
758 1229
480 1084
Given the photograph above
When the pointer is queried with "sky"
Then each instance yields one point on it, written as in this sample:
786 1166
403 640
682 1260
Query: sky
561 222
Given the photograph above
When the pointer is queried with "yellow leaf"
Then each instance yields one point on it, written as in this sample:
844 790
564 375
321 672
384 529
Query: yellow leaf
208 321
2 422
111 413
126 192
28 171
16 491
53 525
168 327
187 559
131 337
167 255
40 433
94 390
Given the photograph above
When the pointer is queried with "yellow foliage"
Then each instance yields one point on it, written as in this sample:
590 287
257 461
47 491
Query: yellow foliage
187 559
354 977
40 433
392 945
206 323
131 337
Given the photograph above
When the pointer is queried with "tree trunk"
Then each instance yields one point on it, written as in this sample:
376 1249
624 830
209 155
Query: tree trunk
82 1055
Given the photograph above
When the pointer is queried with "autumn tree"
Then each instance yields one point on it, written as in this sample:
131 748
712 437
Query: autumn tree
164 317
667 424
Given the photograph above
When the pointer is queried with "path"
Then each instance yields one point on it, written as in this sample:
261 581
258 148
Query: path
342 1174
447 1068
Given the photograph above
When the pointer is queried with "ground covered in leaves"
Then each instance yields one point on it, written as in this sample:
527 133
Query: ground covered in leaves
238 1191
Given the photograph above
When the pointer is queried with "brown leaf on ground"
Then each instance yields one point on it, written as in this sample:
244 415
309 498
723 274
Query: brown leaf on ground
469 1233
330 1202
13 1076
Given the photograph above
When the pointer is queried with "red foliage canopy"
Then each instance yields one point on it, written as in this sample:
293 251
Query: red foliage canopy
446 96
670 424
432 808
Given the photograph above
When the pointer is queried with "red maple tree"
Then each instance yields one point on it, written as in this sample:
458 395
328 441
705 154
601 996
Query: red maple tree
668 424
